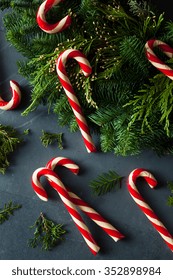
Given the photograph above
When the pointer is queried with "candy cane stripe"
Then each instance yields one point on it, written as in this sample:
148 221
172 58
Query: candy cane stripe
44 25
80 58
62 161
73 101
162 230
90 212
100 221
15 100
155 61
162 45
57 184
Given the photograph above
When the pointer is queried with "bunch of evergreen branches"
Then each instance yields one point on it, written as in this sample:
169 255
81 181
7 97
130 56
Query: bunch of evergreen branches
126 99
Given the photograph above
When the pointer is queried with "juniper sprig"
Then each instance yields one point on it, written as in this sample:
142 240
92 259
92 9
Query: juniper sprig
49 138
8 210
47 233
9 139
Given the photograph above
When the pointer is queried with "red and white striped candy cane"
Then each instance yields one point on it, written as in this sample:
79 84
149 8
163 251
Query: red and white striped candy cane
62 74
67 200
41 18
90 212
155 61
162 230
15 100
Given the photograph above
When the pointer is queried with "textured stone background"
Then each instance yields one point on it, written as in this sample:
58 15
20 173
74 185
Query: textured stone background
142 241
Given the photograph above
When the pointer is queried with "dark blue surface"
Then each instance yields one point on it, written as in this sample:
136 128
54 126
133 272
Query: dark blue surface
141 242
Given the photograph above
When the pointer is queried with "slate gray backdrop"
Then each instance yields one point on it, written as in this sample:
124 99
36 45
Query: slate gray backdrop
141 242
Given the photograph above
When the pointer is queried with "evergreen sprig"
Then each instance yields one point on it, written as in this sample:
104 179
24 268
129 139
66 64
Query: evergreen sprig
141 8
170 197
47 233
125 99
9 139
26 131
8 210
49 138
157 99
105 182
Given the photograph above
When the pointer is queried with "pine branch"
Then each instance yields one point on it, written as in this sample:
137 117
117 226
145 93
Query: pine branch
7 211
107 138
47 233
106 182
4 5
18 4
104 115
49 138
131 50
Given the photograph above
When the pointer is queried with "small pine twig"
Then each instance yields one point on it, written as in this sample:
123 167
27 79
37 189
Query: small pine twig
106 182
7 211
49 138
170 186
170 200
170 197
26 131
140 9
46 233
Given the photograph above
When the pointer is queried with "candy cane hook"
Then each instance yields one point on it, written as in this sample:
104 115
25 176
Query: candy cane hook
15 100
90 212
41 18
65 197
63 77
162 230
155 61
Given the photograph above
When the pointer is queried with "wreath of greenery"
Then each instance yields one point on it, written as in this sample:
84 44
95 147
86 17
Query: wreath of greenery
126 100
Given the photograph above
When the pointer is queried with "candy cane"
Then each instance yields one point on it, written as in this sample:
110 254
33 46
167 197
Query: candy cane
144 206
90 212
41 18
15 100
64 195
62 74
159 64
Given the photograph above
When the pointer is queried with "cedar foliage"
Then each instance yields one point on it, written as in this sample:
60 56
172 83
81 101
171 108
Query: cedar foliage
125 99
9 140
8 210
47 233
48 138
